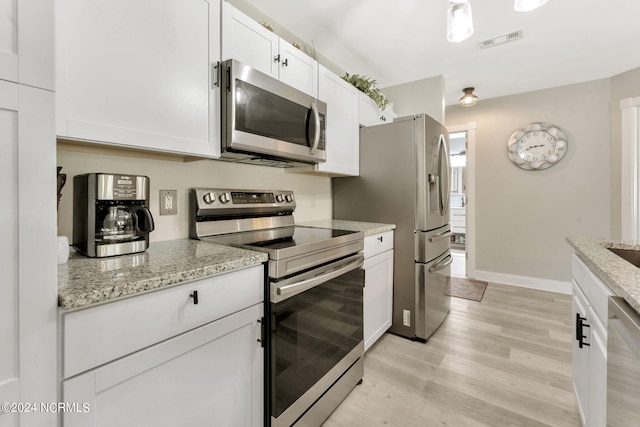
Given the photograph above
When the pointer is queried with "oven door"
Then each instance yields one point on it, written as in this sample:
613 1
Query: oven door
262 115
316 337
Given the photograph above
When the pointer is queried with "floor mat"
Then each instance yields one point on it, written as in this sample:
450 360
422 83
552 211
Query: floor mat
467 288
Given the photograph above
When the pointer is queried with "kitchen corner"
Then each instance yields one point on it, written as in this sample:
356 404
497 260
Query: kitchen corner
622 277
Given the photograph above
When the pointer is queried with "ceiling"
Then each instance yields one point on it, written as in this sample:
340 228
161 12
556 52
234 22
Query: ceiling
565 41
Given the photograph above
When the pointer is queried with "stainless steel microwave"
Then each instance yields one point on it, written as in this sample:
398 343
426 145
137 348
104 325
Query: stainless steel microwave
263 118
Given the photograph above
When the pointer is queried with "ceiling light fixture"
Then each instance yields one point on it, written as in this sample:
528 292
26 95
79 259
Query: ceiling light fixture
468 99
527 5
459 21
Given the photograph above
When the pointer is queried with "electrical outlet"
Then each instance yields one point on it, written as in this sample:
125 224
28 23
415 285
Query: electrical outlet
406 317
168 202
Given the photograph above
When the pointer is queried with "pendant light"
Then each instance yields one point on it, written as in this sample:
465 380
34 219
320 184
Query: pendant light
468 99
459 21
527 5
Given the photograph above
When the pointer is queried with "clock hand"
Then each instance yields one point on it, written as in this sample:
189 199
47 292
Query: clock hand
533 146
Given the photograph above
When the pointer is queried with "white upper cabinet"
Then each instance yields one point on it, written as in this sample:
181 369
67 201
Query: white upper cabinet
370 114
26 56
139 74
249 42
343 136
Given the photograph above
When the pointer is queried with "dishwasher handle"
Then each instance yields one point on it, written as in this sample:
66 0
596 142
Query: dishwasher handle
626 322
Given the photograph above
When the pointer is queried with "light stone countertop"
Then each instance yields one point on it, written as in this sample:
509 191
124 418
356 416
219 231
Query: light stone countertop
84 281
369 228
621 276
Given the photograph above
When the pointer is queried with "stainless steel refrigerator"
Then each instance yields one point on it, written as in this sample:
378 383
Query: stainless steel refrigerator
405 180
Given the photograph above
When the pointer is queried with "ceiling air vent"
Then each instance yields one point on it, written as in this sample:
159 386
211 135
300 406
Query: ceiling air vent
502 38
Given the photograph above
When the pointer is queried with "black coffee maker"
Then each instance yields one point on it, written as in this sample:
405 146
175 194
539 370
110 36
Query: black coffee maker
111 214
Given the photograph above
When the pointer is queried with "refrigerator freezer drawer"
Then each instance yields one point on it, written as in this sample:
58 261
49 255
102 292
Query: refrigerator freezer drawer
431 244
432 302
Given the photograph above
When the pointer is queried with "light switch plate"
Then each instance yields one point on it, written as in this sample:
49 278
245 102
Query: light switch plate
168 202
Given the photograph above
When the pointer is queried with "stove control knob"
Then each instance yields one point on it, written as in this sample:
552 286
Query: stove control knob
224 198
209 198
279 198
289 198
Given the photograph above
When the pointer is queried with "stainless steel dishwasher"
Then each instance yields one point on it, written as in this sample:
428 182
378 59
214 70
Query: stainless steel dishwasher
623 365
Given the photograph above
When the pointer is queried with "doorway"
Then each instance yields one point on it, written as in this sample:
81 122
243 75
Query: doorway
462 206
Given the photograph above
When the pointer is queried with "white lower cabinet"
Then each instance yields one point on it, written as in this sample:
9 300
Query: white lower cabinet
208 375
590 298
378 286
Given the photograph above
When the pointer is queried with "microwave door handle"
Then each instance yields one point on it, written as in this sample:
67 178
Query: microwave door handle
316 127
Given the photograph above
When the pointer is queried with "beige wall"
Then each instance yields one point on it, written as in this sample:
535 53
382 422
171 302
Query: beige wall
523 217
313 193
420 96
623 86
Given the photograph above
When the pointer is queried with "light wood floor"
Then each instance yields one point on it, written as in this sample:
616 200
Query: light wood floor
505 361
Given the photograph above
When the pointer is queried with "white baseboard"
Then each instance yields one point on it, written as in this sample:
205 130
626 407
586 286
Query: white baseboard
524 281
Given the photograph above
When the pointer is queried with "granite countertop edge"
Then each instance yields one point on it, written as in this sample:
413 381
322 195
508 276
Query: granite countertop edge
621 276
84 282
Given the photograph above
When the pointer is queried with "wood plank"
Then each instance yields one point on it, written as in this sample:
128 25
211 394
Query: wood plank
503 361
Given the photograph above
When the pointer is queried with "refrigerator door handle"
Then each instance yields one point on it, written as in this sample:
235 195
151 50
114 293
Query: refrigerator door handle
445 173
440 236
442 263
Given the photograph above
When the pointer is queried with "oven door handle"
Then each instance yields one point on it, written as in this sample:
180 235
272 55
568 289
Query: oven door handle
285 291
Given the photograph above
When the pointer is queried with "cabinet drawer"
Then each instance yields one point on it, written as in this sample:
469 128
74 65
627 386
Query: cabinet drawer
378 243
599 298
580 272
100 334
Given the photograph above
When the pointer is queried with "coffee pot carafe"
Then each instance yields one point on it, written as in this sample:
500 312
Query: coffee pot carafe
111 214
123 223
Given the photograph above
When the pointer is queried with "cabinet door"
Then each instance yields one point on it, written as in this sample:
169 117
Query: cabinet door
581 355
343 142
211 376
297 69
378 296
28 294
26 42
139 73
248 41
598 376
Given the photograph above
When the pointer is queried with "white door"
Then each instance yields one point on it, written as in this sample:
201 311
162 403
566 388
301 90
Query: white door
378 296
139 73
211 376
581 354
342 127
26 55
247 41
28 302
297 69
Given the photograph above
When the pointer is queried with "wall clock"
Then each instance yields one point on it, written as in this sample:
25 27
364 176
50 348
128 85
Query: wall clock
537 146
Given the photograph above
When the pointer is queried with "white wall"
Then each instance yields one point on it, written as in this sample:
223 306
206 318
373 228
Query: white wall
421 96
313 193
523 217
625 85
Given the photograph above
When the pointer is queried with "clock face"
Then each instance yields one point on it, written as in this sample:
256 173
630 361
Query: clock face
537 146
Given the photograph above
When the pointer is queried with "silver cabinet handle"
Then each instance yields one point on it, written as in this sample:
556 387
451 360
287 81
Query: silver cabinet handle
316 130
442 263
440 236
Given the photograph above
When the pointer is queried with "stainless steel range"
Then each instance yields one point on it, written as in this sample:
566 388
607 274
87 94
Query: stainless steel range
315 282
